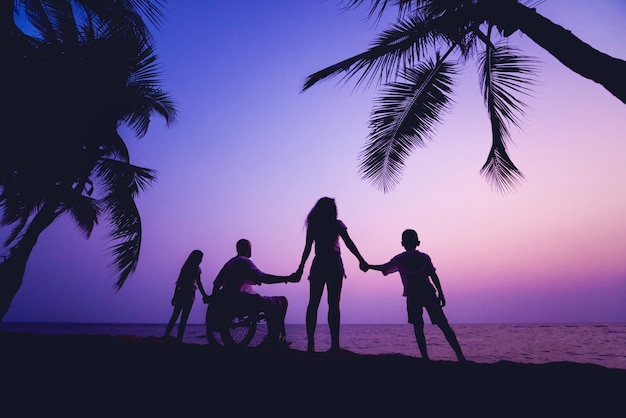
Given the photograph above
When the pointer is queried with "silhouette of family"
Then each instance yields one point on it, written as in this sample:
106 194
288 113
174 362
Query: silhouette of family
421 284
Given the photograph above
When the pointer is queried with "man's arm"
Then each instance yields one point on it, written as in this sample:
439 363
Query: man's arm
259 277
219 281
271 278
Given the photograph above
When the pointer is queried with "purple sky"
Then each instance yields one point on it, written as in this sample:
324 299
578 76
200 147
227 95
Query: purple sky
250 155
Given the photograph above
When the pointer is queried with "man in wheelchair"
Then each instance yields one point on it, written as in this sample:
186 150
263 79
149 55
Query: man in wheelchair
234 285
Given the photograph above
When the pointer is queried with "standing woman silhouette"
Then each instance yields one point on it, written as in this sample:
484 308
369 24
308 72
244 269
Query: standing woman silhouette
324 229
185 293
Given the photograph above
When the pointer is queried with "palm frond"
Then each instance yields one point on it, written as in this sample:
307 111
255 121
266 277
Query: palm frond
37 15
144 96
20 198
120 177
153 10
16 231
124 17
125 227
85 211
505 76
378 7
394 49
405 117
122 182
500 172
114 147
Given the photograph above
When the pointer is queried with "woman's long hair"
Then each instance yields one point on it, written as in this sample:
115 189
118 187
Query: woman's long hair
322 219
190 268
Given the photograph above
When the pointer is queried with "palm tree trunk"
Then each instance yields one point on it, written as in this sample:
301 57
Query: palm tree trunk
564 46
13 267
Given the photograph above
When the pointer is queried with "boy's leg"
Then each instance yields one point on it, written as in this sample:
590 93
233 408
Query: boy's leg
451 338
415 313
418 327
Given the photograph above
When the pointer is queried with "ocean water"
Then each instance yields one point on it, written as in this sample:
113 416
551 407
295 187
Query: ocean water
601 344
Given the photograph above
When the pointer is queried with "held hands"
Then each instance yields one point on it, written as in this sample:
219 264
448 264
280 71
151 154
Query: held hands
298 273
364 266
294 277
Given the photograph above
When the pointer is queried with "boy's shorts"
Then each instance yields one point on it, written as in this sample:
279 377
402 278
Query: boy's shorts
415 305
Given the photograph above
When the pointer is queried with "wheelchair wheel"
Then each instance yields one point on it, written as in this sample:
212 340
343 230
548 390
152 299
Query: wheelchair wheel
240 332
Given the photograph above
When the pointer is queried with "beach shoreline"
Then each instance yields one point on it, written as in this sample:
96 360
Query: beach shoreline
127 375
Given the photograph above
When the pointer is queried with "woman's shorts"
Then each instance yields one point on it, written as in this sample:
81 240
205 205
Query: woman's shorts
327 268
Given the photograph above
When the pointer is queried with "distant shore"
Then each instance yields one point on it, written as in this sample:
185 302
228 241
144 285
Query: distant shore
92 375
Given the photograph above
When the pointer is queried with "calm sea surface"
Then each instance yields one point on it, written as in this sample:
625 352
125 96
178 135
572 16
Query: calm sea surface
602 344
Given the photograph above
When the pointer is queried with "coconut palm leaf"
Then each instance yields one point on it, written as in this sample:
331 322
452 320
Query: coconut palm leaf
395 48
126 231
85 211
19 226
406 116
80 68
378 7
143 95
505 75
122 182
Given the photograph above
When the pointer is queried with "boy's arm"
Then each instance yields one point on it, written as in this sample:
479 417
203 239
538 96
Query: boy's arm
435 279
385 269
377 267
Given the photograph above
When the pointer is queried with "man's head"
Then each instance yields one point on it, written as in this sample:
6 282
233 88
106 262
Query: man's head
244 248
409 239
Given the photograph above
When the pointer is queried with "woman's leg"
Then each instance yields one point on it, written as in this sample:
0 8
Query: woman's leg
173 318
334 315
316 288
183 320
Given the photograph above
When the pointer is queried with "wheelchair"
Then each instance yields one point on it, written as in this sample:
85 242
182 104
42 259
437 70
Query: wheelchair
234 325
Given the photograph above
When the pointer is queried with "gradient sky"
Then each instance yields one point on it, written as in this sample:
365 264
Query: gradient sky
249 155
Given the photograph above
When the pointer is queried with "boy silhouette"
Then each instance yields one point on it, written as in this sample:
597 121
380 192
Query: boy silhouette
417 272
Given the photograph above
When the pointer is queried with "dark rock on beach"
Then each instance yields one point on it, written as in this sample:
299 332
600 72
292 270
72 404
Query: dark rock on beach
102 375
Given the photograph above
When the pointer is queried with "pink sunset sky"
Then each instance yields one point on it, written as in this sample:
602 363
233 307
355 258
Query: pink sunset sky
249 155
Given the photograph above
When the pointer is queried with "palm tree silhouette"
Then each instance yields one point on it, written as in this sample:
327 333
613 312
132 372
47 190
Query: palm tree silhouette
83 69
418 57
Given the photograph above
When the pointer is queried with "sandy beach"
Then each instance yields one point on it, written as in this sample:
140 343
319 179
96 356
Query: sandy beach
97 375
